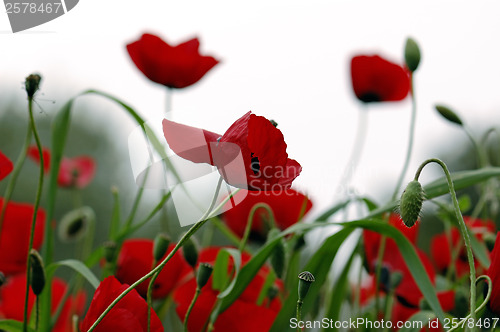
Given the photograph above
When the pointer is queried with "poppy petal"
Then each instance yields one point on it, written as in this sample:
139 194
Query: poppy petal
6 166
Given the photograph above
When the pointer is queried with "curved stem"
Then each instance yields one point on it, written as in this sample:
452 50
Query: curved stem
186 236
35 211
191 306
248 227
463 230
480 154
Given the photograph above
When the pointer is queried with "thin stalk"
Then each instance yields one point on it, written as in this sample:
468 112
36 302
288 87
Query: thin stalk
191 306
37 312
35 211
248 227
463 230
298 314
186 236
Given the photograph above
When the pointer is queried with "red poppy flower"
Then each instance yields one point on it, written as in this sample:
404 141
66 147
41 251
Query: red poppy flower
375 79
75 172
240 316
12 303
136 260
130 314
407 290
6 166
173 66
494 274
15 234
288 207
440 246
250 155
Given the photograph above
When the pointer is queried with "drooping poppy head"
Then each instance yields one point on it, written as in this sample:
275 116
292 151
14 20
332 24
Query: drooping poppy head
130 314
6 166
288 207
250 155
136 259
12 303
15 235
243 315
173 66
374 79
494 274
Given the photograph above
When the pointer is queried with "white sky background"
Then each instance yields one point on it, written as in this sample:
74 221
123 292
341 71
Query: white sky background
288 61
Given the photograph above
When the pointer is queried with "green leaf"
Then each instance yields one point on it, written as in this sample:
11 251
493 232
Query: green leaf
331 211
423 317
11 325
78 267
220 274
237 268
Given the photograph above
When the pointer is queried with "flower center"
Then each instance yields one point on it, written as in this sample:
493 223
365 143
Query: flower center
254 164
369 97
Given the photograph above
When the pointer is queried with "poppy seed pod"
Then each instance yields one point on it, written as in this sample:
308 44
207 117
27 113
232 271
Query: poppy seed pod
160 246
190 251
32 84
306 278
412 54
203 274
37 280
411 203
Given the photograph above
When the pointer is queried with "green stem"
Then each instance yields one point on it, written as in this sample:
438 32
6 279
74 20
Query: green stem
248 227
191 306
15 174
149 297
298 314
186 236
480 154
463 230
37 312
35 211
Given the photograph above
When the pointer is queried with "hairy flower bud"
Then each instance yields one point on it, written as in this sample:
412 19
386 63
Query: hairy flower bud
37 280
160 246
32 84
412 54
306 278
203 274
448 114
190 251
411 203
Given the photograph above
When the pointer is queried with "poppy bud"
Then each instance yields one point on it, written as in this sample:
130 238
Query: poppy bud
160 246
305 280
448 114
412 54
2 278
203 274
274 123
32 84
37 272
278 255
110 249
190 251
74 224
411 203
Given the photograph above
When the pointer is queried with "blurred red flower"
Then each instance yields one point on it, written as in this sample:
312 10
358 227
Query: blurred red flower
440 246
6 166
250 155
130 314
407 290
12 302
173 66
15 234
375 79
136 260
243 315
494 274
75 172
288 207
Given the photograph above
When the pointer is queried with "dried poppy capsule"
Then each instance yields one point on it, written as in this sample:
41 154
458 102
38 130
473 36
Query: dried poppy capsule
411 203
306 278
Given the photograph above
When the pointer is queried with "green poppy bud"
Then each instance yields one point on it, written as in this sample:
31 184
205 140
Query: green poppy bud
305 280
412 54
75 224
274 123
110 251
190 251
411 203
32 84
203 274
448 114
278 255
37 280
160 246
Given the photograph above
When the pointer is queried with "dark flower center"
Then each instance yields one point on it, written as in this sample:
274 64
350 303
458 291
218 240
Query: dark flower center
369 97
254 164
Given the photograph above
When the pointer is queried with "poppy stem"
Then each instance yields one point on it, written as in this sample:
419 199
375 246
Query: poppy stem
207 215
191 306
35 211
299 313
248 227
463 230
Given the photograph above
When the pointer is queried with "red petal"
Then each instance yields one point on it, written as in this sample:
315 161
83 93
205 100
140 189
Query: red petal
494 274
76 172
6 166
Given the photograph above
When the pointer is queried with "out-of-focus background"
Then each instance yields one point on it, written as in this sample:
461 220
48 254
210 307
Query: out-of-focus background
286 60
